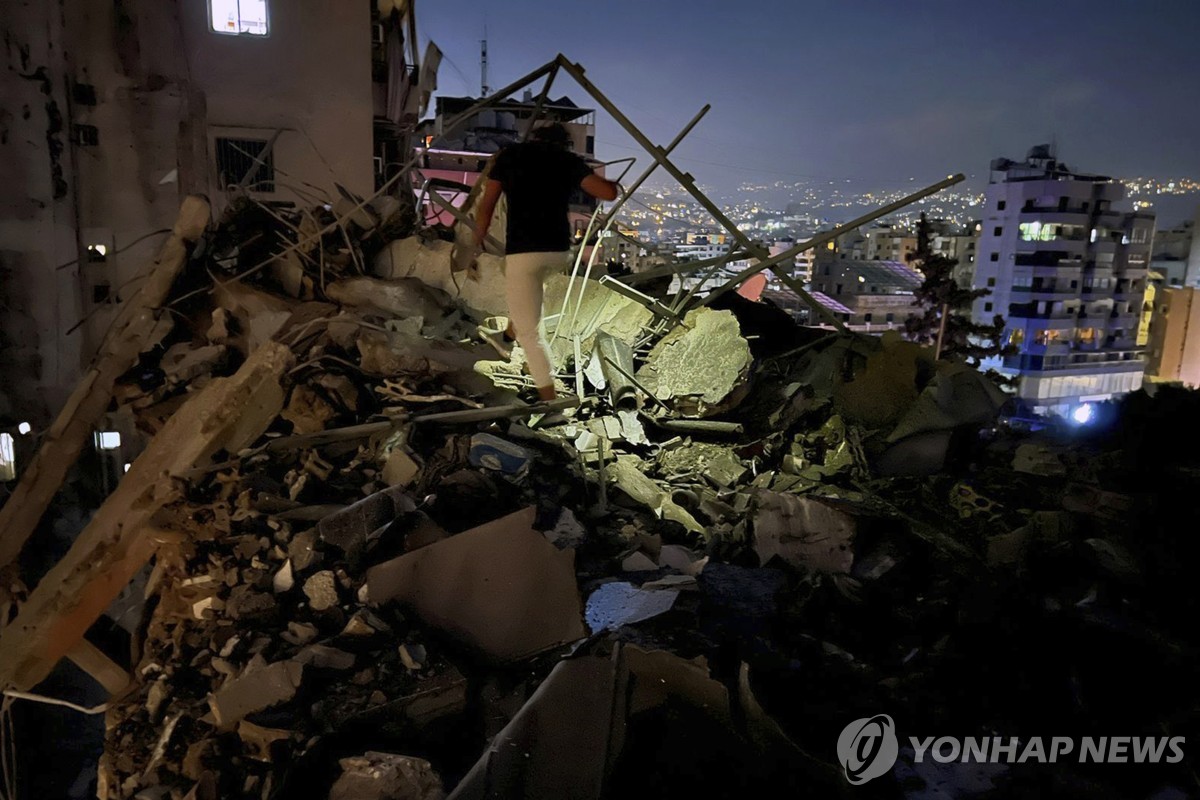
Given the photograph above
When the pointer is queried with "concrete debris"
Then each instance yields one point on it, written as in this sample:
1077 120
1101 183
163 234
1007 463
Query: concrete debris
501 588
615 605
638 562
400 469
284 579
565 741
384 776
633 482
804 531
321 591
381 516
255 690
700 369
322 656
568 532
400 299
349 529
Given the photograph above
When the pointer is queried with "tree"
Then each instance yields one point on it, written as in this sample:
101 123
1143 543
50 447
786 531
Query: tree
945 320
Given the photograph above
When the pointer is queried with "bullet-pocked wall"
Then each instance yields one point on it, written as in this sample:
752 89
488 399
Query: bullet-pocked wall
111 111
304 87
38 215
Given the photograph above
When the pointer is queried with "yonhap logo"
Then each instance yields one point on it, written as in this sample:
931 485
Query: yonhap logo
868 748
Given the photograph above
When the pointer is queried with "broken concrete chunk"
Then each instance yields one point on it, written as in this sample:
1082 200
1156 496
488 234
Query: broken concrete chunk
805 532
702 460
614 605
299 633
567 532
400 469
350 527
254 691
284 580
956 396
700 368
156 697
258 740
384 776
681 558
323 656
1035 459
632 429
413 656
185 362
402 298
245 602
884 386
307 411
628 476
301 552
638 562
321 590
501 588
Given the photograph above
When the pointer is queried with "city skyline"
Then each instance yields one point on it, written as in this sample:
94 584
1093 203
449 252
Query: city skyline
878 92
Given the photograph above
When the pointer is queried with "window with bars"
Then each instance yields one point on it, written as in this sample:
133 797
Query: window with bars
237 157
237 17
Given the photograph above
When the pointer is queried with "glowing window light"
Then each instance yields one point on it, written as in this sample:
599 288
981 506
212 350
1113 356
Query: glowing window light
108 440
8 458
24 428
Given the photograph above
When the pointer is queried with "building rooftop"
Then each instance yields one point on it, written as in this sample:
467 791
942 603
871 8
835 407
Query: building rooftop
831 304
883 274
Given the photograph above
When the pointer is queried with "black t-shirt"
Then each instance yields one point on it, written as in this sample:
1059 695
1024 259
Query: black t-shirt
538 180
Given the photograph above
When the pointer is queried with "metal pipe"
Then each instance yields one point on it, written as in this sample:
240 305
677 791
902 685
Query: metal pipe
632 190
659 155
616 362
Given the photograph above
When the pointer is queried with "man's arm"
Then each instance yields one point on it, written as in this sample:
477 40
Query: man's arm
600 188
487 207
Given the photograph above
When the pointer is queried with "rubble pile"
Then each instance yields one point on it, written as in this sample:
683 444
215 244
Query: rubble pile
737 537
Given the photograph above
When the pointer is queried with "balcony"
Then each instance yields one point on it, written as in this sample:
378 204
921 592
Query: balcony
1047 258
1029 311
1055 216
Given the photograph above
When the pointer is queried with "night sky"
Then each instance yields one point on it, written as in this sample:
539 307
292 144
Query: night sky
878 91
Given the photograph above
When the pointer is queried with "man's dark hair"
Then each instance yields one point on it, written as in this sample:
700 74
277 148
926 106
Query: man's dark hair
554 133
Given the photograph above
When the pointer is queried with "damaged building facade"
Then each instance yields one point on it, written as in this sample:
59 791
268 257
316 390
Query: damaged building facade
361 563
114 112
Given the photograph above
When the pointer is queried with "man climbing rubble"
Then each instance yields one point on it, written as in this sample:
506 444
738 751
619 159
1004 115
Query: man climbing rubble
537 178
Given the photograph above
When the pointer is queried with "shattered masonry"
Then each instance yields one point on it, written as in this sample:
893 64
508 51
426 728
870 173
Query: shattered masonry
359 538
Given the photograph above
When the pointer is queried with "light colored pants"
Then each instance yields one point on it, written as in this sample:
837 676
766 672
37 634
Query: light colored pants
525 274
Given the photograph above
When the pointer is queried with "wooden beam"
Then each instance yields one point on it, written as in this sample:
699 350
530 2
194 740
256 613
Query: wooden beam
228 414
131 333
95 662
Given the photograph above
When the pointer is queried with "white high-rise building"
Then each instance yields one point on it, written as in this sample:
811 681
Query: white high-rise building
1068 272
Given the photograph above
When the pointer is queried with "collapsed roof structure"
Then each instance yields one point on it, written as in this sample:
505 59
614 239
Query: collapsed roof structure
371 571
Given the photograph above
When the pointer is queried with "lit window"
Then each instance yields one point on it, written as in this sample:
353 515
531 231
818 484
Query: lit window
24 428
107 440
238 16
8 458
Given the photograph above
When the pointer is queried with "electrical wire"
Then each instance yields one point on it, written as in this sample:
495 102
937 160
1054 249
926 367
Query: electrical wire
121 249
54 701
